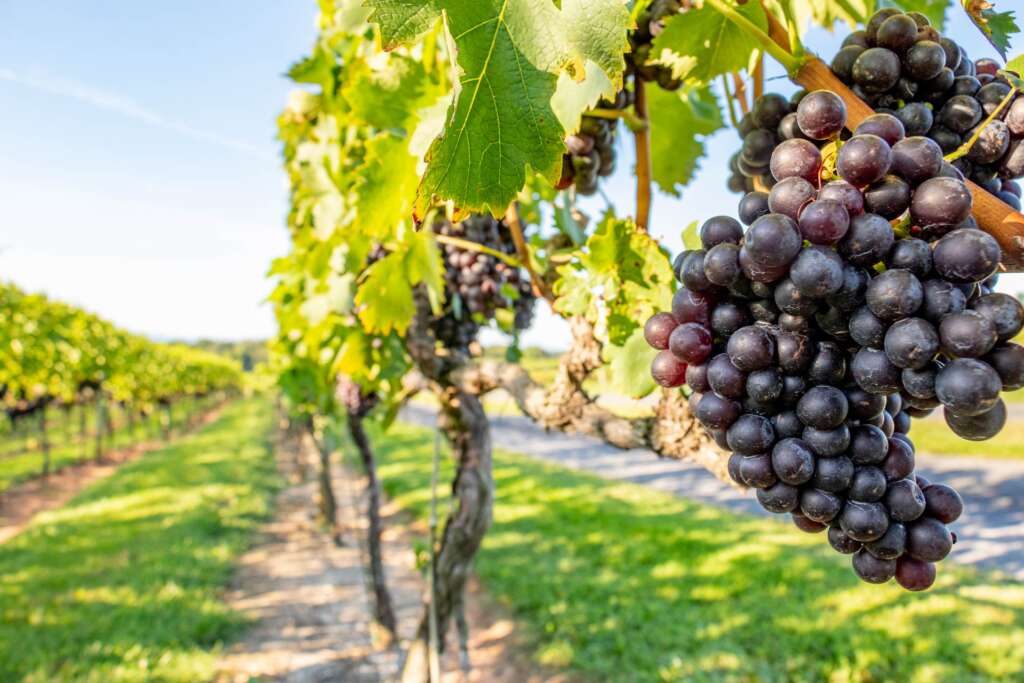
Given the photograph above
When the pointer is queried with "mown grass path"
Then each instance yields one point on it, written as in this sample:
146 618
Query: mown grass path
624 583
124 582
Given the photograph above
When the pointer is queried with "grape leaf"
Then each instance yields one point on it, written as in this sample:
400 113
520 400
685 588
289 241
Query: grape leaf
385 295
596 31
935 10
701 44
825 13
389 95
629 365
402 21
691 236
996 26
573 97
387 187
1016 66
677 121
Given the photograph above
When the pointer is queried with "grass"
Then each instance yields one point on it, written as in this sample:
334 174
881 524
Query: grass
621 583
934 437
123 583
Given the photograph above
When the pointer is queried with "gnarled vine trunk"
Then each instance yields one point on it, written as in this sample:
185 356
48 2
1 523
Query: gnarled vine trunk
465 425
383 605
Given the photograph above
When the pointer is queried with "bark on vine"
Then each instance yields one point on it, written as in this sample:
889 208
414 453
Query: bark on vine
464 424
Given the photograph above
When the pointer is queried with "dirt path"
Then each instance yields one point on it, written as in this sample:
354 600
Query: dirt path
310 600
990 533
21 502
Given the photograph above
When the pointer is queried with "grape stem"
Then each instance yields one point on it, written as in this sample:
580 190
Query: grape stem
516 228
791 62
741 92
631 120
731 100
476 246
642 139
965 148
758 77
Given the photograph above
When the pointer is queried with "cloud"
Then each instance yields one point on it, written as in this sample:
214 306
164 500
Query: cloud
128 107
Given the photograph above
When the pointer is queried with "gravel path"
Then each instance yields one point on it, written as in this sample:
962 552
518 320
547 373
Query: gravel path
990 533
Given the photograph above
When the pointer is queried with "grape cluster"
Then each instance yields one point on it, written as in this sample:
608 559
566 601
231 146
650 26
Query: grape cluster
352 397
771 120
812 338
900 64
479 284
649 24
591 151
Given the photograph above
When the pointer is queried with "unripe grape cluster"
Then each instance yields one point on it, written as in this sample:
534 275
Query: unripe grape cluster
478 284
811 338
900 64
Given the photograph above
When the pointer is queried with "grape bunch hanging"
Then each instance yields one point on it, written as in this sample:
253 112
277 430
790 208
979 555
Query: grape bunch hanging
478 284
812 338
900 64
591 150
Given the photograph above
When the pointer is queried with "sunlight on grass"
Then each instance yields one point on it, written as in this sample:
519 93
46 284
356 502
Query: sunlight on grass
619 582
123 583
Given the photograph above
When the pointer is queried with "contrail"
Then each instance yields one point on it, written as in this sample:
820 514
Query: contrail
129 108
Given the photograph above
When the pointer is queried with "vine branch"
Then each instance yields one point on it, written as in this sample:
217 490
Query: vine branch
633 121
516 228
476 246
730 99
643 159
741 92
963 149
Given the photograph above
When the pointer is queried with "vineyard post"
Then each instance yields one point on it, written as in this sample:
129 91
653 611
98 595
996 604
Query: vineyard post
323 442
44 439
83 428
99 425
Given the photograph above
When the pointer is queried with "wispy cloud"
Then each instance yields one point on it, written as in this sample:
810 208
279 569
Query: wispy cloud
128 107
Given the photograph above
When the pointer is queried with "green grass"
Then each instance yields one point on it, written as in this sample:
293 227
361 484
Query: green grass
934 437
123 583
621 583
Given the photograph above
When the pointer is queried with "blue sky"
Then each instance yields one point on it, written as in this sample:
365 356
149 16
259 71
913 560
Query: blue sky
139 175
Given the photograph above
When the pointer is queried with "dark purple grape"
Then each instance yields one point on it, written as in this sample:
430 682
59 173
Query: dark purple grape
821 114
720 229
833 474
876 20
733 467
751 434
916 159
697 378
978 427
920 383
728 317
916 117
891 545
691 343
864 159
763 310
911 343
928 540
691 272
952 51
940 201
894 294
842 63
822 407
827 442
911 254
725 378
914 575
961 113
967 334
898 33
824 222
753 206
943 503
756 471
863 405
757 148
667 370
817 272
773 240
868 485
868 445
904 500
992 143
965 85
947 141
876 69
965 255
874 373
658 328
716 412
864 522
792 461
789 196
888 197
868 240
1015 117
853 291
844 193
751 348
796 158
871 569
828 365
722 265
1008 362
899 461
842 543
779 497
991 96
764 386
791 300
807 525
885 126
866 329
821 506
924 60
769 110
940 299
968 386
793 387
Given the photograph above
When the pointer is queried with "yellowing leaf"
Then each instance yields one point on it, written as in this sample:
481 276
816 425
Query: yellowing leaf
701 44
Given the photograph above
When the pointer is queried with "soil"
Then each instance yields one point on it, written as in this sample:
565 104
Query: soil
311 603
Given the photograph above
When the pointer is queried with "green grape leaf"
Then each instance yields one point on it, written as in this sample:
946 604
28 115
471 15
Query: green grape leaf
385 194
501 121
1016 66
573 97
389 96
596 32
691 236
629 365
997 27
317 68
678 120
402 22
935 10
385 295
701 44
825 13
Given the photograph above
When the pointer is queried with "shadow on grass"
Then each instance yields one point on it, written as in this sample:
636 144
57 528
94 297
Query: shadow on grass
123 582
622 583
